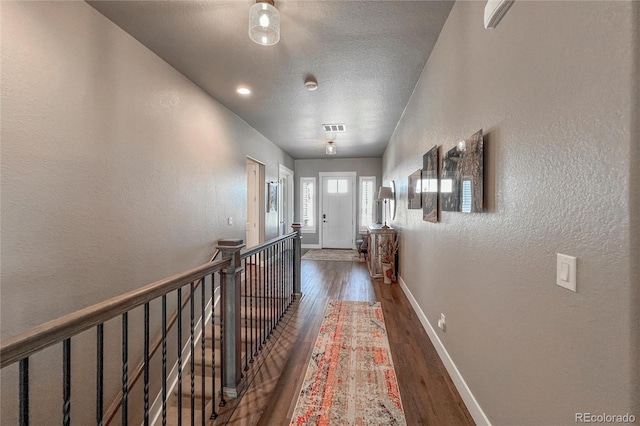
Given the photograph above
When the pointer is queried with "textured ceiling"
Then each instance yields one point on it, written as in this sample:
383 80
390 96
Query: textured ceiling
366 56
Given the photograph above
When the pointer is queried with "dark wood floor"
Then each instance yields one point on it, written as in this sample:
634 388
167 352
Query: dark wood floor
428 394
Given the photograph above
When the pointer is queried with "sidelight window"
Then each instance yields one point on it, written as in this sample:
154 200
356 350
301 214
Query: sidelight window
367 202
308 203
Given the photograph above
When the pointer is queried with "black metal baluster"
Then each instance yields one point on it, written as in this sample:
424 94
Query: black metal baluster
261 311
267 300
192 357
146 364
276 286
287 273
281 254
278 279
23 388
274 289
125 367
254 269
247 277
291 260
285 254
179 310
222 345
99 374
258 301
202 347
214 414
66 382
272 280
164 360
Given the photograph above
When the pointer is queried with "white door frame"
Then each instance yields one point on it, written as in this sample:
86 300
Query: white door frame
353 176
260 198
284 171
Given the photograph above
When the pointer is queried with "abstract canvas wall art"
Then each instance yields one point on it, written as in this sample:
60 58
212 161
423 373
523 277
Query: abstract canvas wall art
462 182
414 190
430 165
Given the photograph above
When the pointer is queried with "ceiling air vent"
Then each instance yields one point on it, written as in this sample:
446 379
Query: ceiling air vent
339 128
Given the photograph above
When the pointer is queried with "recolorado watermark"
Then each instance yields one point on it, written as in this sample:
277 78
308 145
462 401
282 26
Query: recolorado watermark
604 418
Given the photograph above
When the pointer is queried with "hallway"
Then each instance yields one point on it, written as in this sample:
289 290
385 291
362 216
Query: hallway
428 394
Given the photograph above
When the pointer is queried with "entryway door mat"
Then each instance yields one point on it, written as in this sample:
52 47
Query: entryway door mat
350 379
334 255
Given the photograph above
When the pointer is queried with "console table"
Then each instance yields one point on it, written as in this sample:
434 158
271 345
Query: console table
377 234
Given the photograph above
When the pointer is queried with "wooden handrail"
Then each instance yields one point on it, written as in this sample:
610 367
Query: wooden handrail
157 342
260 247
52 332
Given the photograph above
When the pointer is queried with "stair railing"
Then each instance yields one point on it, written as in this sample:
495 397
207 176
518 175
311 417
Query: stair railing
268 291
158 341
272 279
64 329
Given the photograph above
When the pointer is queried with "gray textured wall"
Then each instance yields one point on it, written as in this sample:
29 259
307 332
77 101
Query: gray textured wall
312 168
116 170
555 88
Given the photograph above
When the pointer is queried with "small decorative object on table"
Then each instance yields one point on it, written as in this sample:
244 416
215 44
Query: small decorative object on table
388 250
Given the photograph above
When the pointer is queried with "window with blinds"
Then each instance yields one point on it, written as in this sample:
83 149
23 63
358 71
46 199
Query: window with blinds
308 204
466 196
367 201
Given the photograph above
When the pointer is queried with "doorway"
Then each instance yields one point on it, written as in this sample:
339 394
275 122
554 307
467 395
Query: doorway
338 206
255 203
285 201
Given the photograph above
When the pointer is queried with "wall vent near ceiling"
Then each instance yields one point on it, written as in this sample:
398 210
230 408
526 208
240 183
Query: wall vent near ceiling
338 128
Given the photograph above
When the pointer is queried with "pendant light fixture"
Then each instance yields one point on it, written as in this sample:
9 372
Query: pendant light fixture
264 23
330 149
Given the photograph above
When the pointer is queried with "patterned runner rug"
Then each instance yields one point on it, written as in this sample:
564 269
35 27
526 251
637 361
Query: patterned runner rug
350 379
334 254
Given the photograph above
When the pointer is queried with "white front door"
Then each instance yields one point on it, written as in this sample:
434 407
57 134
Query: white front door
338 208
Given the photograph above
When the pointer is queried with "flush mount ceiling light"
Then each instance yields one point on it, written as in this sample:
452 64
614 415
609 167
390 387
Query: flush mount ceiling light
243 91
330 149
264 23
310 83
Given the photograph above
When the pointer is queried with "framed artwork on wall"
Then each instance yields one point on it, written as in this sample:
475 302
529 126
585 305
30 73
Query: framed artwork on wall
392 202
414 190
272 197
430 175
462 183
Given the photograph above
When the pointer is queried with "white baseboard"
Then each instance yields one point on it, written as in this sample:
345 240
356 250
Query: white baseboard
311 246
470 401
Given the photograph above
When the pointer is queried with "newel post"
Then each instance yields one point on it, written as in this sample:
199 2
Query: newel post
297 258
231 317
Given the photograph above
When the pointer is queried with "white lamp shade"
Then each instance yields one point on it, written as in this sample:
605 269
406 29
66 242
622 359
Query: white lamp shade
264 24
385 193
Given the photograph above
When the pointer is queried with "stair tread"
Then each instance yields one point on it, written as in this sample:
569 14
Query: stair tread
197 391
172 416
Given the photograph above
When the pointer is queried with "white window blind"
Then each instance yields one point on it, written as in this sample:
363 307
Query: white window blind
308 204
466 196
367 201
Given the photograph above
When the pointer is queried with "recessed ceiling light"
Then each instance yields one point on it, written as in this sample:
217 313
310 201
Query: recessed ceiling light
243 90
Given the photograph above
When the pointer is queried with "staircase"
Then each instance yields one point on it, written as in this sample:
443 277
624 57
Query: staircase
256 288
256 321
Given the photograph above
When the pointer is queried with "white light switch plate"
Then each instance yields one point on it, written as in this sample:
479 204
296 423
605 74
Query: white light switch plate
566 272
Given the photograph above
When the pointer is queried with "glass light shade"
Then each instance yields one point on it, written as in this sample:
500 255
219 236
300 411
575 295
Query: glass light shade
264 24
330 149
